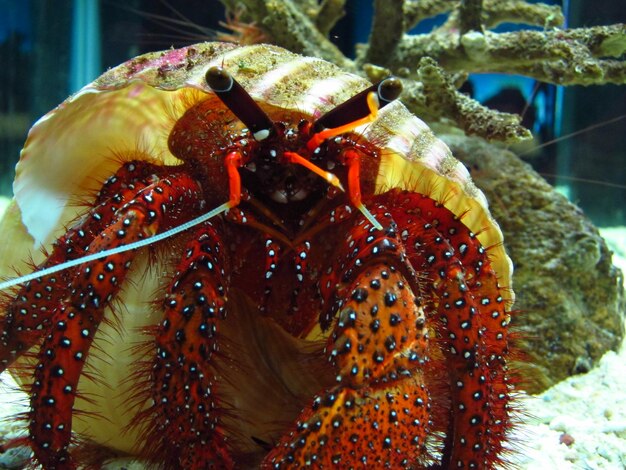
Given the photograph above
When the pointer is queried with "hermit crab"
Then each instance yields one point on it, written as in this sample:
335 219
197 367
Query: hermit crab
243 257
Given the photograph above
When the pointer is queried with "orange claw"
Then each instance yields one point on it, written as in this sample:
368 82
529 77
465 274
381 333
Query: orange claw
378 416
364 428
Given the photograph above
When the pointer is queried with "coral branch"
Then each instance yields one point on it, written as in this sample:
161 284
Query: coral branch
462 45
435 96
470 15
387 30
329 13
417 10
564 57
289 26
496 12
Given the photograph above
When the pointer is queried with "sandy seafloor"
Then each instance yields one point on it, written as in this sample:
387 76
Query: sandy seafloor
588 410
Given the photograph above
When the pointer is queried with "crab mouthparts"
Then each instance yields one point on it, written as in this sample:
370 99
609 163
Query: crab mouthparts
284 196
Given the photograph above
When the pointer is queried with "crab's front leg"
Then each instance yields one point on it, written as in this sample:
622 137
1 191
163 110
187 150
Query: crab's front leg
182 426
469 312
77 315
378 414
30 310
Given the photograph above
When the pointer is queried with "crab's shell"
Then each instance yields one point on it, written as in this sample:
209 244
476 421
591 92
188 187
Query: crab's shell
131 110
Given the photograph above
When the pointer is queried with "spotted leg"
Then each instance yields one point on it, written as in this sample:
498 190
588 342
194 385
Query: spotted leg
78 314
378 414
183 427
32 307
469 306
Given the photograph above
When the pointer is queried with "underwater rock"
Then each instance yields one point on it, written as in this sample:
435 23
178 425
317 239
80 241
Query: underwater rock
569 294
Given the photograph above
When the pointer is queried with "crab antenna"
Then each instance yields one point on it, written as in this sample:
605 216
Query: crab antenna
237 99
358 107
120 249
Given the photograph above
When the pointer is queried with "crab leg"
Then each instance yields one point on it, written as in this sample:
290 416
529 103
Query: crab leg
378 413
471 312
183 429
78 314
32 308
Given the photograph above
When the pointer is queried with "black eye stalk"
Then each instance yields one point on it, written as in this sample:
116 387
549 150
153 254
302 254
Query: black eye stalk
357 107
359 110
233 95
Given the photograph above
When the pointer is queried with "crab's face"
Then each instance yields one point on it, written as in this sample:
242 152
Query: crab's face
293 324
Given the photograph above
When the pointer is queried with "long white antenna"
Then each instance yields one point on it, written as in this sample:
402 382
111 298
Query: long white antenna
114 251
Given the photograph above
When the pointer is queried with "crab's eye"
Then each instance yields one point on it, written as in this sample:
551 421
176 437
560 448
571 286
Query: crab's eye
389 90
237 99
357 107
219 80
